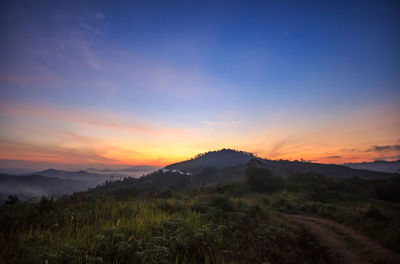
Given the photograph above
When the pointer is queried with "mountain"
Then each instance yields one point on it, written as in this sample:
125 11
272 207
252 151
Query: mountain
35 186
134 168
284 168
92 179
378 165
134 171
218 159
53 182
227 158
16 171
225 165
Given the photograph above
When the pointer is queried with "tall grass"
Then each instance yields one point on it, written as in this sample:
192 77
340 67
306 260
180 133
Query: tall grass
189 229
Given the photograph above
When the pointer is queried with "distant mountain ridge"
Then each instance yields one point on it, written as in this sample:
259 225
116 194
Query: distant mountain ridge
135 168
35 186
91 178
377 165
16 171
54 182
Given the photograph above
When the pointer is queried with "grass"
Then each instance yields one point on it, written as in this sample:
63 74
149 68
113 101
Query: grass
201 229
225 223
377 219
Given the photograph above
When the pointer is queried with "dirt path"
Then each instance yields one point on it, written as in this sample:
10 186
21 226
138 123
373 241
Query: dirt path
344 243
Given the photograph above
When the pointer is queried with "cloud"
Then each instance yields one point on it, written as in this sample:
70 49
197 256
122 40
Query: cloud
385 152
103 120
57 154
349 150
334 157
87 53
83 37
395 157
93 30
278 146
384 148
99 15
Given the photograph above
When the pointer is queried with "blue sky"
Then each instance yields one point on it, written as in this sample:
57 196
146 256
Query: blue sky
242 74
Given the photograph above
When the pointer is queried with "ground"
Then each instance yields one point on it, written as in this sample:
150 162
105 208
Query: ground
344 243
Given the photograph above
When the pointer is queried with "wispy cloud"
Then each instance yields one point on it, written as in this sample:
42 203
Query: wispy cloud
87 53
93 30
103 120
99 15
57 154
334 157
383 148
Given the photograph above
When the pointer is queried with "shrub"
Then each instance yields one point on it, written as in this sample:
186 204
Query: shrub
223 202
262 180
236 189
12 199
371 211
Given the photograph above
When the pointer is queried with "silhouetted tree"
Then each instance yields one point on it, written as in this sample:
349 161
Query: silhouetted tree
12 199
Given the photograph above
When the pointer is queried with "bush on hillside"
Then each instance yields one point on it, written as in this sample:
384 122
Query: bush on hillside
262 180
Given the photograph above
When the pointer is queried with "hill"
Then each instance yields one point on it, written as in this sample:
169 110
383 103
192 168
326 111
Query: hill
16 171
173 216
228 158
377 165
225 165
92 179
218 159
53 182
284 168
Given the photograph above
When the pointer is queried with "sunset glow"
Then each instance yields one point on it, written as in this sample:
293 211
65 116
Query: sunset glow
156 84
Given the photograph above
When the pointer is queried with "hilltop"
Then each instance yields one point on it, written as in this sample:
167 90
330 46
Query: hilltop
229 158
219 159
224 165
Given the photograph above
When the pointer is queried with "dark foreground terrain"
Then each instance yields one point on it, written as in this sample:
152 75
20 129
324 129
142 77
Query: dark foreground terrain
219 216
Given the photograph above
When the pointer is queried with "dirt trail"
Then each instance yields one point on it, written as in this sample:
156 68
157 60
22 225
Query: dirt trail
344 243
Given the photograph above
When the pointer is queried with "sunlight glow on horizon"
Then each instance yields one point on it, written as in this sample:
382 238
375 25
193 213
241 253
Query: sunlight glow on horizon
145 83
78 140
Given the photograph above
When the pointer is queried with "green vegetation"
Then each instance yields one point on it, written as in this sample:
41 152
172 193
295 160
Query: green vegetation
262 180
370 206
230 222
201 226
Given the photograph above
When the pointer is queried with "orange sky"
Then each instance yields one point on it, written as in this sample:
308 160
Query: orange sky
92 84
66 136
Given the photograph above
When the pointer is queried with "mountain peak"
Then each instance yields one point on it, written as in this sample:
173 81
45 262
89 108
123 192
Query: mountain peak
224 151
51 170
218 159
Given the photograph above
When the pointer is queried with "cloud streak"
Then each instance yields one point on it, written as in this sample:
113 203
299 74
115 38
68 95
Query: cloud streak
103 120
334 157
383 148
56 154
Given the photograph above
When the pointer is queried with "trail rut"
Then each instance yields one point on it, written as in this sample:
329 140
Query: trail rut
344 243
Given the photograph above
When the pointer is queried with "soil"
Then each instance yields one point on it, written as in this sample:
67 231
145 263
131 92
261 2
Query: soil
346 245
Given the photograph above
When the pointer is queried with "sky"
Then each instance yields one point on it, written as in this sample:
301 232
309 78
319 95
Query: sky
156 82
